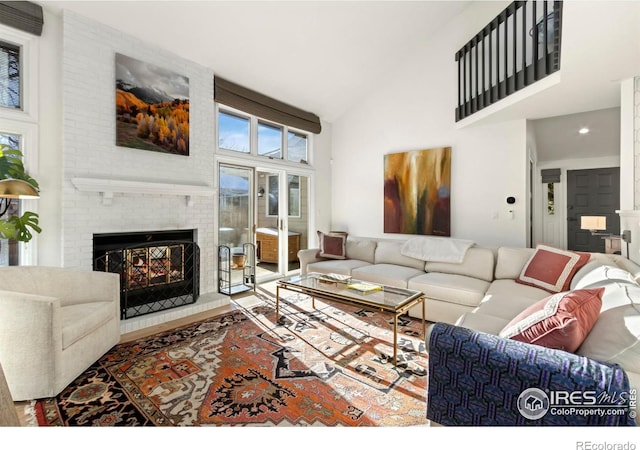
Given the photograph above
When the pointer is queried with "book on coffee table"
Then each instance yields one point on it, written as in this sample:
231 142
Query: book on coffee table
334 277
364 288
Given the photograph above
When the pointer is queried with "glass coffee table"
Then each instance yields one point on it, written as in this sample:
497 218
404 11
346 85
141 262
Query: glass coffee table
370 296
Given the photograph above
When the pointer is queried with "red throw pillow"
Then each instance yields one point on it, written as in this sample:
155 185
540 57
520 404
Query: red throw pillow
332 245
560 321
552 269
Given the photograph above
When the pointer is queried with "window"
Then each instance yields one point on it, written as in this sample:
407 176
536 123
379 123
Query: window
551 201
10 79
297 145
242 133
10 248
233 132
19 125
269 140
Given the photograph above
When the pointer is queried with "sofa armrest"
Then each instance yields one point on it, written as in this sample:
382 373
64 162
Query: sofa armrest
70 285
308 256
30 335
477 378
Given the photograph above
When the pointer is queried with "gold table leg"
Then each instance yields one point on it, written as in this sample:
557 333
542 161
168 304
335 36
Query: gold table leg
424 325
277 304
395 339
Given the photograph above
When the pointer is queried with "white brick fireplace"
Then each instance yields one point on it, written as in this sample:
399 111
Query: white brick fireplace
111 189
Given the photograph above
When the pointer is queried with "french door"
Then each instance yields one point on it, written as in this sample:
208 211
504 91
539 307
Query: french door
268 207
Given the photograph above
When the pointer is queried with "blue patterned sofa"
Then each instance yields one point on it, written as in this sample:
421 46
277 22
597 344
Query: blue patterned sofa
479 378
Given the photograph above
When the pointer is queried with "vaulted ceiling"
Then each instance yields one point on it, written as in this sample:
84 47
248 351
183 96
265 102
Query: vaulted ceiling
325 56
321 56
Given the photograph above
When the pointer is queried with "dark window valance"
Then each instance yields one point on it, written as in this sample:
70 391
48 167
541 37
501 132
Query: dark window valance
253 102
25 16
550 175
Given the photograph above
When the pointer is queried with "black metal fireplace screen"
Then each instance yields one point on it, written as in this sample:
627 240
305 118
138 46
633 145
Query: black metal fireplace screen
154 276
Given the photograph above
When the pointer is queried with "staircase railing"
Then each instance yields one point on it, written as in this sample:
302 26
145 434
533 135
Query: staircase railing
516 49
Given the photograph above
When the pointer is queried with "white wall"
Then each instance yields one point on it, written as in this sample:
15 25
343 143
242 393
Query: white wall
628 139
415 110
88 82
321 190
49 243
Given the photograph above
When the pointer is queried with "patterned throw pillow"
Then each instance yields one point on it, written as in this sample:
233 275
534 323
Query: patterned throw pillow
560 321
552 269
332 245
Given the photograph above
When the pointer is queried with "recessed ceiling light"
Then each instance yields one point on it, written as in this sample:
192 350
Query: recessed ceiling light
583 130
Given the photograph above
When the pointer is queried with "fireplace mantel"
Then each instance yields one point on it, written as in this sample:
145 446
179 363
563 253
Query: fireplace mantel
107 187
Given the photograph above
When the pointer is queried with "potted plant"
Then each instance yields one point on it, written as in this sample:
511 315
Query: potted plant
16 183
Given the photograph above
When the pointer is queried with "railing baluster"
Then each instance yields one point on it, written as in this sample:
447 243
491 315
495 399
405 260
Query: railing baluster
490 88
477 96
515 51
534 41
545 52
524 46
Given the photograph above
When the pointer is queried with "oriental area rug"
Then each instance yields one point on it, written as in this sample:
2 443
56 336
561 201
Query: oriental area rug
328 366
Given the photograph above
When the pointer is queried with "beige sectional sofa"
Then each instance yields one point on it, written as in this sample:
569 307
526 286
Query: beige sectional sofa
452 288
481 292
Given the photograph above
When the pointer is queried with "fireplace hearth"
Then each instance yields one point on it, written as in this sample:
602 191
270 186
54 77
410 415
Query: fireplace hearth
158 270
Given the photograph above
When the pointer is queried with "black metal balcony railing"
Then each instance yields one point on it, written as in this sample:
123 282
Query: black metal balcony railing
519 47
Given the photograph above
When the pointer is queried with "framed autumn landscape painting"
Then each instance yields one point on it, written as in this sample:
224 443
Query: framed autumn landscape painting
152 107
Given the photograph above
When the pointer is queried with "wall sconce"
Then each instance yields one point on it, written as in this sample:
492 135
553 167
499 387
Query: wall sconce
261 192
594 224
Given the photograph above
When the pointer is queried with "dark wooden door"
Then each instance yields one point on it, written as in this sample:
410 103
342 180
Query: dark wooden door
592 192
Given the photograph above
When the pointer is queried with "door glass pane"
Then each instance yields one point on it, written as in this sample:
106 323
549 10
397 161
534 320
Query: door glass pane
269 140
267 230
298 218
10 91
10 248
234 206
233 132
294 195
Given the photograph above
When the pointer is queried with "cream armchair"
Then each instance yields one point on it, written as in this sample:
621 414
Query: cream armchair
54 323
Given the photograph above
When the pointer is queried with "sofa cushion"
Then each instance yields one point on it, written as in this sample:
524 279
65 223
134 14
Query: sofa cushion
81 320
505 306
478 263
510 262
332 246
510 289
341 266
482 322
452 288
390 252
552 269
387 274
560 321
615 338
362 249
